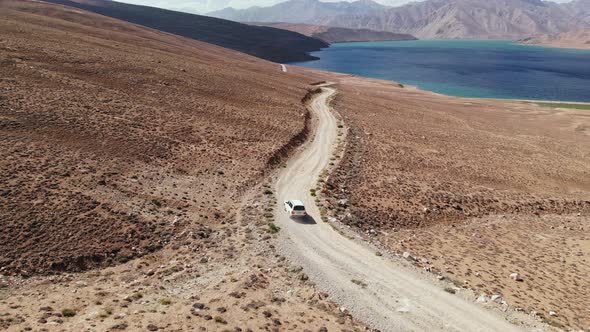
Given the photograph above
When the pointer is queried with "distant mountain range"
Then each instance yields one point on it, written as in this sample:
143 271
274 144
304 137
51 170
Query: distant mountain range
340 35
301 11
268 43
579 9
511 19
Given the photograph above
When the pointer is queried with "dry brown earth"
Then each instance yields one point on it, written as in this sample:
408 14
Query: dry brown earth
225 277
119 140
474 189
579 39
113 135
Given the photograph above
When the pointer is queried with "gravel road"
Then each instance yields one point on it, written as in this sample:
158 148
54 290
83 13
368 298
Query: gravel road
383 293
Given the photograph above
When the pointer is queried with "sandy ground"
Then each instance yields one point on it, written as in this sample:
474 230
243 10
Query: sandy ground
385 294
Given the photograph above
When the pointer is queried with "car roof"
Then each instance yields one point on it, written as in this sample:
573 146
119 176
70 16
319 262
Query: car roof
297 202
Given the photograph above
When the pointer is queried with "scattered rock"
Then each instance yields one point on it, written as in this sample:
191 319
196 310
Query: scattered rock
483 298
199 306
408 256
496 298
121 326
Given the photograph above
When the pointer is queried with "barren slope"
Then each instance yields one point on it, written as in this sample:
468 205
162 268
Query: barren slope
379 290
264 42
573 39
475 190
114 134
118 140
298 11
497 19
340 35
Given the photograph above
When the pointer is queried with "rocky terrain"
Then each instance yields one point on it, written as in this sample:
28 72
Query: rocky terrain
299 11
116 137
226 277
498 19
264 42
134 194
575 39
578 8
141 154
472 190
340 35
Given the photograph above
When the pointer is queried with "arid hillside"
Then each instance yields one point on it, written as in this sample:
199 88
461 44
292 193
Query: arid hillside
473 190
135 191
339 35
489 19
264 42
428 158
142 154
574 39
113 134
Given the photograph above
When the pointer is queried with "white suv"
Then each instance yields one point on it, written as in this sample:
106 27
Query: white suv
295 208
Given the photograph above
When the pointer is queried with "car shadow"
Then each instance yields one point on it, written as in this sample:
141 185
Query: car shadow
307 220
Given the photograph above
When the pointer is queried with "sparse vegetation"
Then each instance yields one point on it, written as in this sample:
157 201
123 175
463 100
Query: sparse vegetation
157 203
106 312
68 312
268 192
359 282
273 229
450 290
134 297
165 302
220 320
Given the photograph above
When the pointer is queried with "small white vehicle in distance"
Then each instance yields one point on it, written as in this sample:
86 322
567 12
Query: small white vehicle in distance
295 208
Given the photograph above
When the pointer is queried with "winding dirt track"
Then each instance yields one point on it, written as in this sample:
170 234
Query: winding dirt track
395 298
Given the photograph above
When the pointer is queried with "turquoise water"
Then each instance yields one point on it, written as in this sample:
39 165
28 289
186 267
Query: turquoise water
467 68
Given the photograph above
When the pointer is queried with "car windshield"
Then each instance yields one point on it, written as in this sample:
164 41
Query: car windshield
299 208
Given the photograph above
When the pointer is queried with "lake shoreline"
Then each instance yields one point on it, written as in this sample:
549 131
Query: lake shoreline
483 69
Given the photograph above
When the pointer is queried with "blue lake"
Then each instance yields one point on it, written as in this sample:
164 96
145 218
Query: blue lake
468 68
